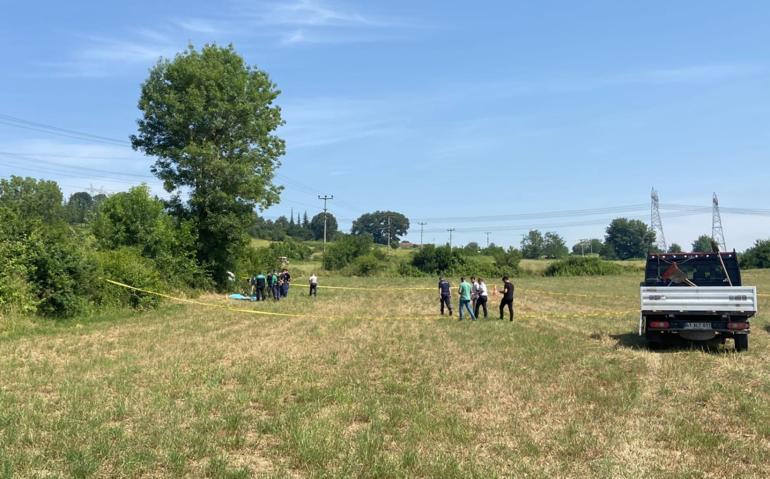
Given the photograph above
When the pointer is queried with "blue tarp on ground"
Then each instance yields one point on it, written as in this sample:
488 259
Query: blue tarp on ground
240 297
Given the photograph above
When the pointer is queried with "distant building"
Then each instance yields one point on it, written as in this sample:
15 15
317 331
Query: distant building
407 244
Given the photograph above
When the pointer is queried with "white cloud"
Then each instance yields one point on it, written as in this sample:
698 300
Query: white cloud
690 74
309 13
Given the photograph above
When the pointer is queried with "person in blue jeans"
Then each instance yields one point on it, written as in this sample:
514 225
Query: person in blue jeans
465 299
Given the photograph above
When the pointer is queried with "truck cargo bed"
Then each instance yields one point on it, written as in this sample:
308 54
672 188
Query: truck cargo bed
740 300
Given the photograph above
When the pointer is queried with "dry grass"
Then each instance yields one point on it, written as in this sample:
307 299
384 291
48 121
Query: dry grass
375 383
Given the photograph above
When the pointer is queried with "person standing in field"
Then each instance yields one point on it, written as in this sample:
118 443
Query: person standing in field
259 286
474 292
465 299
445 295
481 299
286 283
276 286
507 297
313 285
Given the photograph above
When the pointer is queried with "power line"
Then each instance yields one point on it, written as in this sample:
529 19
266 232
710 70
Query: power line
16 122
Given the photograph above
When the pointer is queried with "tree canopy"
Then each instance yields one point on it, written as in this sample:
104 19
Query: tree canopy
704 244
629 238
380 224
592 246
209 119
317 226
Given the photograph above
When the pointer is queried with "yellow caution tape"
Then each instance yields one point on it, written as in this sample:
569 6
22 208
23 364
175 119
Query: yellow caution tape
199 303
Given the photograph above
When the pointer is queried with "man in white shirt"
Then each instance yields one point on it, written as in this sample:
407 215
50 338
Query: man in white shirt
313 285
481 300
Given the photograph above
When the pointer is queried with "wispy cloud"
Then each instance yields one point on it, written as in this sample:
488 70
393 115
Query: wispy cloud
101 56
282 23
311 13
690 74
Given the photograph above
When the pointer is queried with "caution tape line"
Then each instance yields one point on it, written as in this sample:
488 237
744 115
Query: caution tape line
198 303
533 314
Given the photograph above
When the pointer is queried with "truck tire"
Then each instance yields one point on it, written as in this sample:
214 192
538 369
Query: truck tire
741 342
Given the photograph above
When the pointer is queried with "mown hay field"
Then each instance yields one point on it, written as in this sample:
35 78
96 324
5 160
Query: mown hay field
366 383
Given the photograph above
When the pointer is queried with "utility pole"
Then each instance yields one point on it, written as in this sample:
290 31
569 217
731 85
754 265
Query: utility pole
325 198
583 246
450 237
488 233
421 223
388 234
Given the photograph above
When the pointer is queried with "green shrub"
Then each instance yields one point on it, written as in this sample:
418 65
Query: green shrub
366 265
432 260
16 292
343 251
63 274
758 256
583 266
405 269
291 249
127 265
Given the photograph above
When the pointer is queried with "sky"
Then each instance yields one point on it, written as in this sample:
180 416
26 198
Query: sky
488 116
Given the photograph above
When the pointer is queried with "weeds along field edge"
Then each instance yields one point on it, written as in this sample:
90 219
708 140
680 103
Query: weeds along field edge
376 383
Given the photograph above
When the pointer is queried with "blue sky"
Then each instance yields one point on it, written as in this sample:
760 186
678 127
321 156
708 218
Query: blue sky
445 111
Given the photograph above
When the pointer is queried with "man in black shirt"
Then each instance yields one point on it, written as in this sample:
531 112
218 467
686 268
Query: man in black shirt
445 296
507 297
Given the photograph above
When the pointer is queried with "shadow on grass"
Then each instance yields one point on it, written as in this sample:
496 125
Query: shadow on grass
670 345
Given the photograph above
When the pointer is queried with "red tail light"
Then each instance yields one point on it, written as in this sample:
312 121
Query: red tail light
738 326
659 324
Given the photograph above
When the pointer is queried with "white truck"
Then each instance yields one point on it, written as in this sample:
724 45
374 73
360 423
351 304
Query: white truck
696 297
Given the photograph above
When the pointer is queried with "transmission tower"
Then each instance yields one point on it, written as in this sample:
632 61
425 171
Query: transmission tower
656 223
717 233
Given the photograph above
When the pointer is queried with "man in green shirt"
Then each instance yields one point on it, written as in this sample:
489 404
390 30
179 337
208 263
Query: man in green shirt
465 298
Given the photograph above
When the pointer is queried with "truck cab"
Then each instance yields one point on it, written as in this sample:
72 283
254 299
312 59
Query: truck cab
696 297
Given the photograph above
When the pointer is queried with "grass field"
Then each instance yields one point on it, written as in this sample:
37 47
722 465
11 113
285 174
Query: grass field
376 384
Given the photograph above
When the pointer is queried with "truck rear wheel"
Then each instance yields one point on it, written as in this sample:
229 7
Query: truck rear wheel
741 342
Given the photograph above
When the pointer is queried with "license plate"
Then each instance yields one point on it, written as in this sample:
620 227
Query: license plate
697 326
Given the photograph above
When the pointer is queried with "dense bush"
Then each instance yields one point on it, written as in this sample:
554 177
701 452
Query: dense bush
136 219
16 292
291 249
64 275
758 256
346 249
366 265
583 266
128 265
438 260
507 261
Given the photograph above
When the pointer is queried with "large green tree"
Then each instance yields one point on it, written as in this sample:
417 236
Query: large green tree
381 225
629 238
317 226
532 245
210 121
703 244
79 208
554 246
